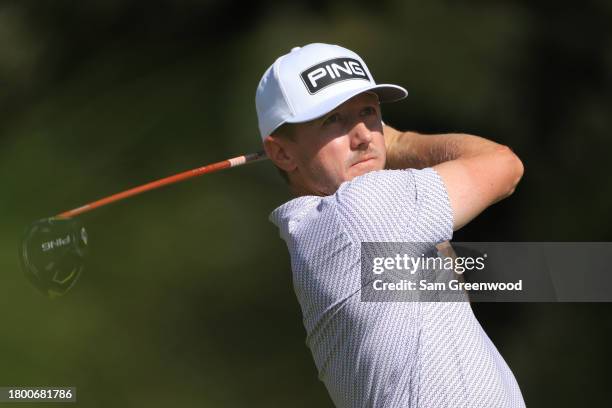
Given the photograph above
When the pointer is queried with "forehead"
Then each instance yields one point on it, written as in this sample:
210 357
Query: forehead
356 102
364 97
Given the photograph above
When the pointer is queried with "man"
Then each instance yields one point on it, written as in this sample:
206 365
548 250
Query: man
320 122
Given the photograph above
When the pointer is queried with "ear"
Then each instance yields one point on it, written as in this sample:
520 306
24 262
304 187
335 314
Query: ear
278 150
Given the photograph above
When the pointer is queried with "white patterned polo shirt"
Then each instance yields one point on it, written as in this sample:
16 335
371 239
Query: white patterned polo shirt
386 354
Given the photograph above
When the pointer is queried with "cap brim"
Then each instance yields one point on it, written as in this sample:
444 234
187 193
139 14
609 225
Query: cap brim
385 92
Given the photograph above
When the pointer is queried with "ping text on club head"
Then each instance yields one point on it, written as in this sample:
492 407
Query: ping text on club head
56 243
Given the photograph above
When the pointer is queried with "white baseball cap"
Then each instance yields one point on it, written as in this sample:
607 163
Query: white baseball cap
311 81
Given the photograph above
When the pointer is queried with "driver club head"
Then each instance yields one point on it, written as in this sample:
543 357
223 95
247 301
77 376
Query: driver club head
53 254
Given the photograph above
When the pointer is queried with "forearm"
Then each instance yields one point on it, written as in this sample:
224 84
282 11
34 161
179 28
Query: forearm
414 150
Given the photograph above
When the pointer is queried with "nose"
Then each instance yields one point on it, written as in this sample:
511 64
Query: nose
361 137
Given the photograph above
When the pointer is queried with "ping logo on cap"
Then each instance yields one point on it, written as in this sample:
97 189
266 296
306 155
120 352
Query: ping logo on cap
329 72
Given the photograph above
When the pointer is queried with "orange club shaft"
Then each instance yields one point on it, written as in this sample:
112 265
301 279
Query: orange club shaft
210 168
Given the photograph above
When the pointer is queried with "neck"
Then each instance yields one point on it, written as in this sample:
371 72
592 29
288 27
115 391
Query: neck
299 189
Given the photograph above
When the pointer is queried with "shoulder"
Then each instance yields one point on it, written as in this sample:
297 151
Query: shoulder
389 183
293 212
374 180
389 203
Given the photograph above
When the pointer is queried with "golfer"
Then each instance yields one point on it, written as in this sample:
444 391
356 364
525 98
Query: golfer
357 180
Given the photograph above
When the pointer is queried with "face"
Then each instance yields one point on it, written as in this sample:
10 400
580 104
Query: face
343 144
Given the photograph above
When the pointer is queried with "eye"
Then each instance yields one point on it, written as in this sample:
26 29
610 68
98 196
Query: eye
331 119
368 110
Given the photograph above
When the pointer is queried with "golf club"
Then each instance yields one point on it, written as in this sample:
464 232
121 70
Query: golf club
53 250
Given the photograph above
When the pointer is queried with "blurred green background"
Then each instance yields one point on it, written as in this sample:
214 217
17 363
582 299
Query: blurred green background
187 297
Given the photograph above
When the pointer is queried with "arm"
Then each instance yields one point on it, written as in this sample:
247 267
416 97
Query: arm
476 172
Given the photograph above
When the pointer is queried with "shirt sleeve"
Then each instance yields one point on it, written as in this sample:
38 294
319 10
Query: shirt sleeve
395 206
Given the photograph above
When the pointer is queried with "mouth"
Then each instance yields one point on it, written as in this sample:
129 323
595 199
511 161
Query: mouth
363 160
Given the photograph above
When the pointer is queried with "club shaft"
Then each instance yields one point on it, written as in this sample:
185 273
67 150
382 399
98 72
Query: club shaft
210 168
